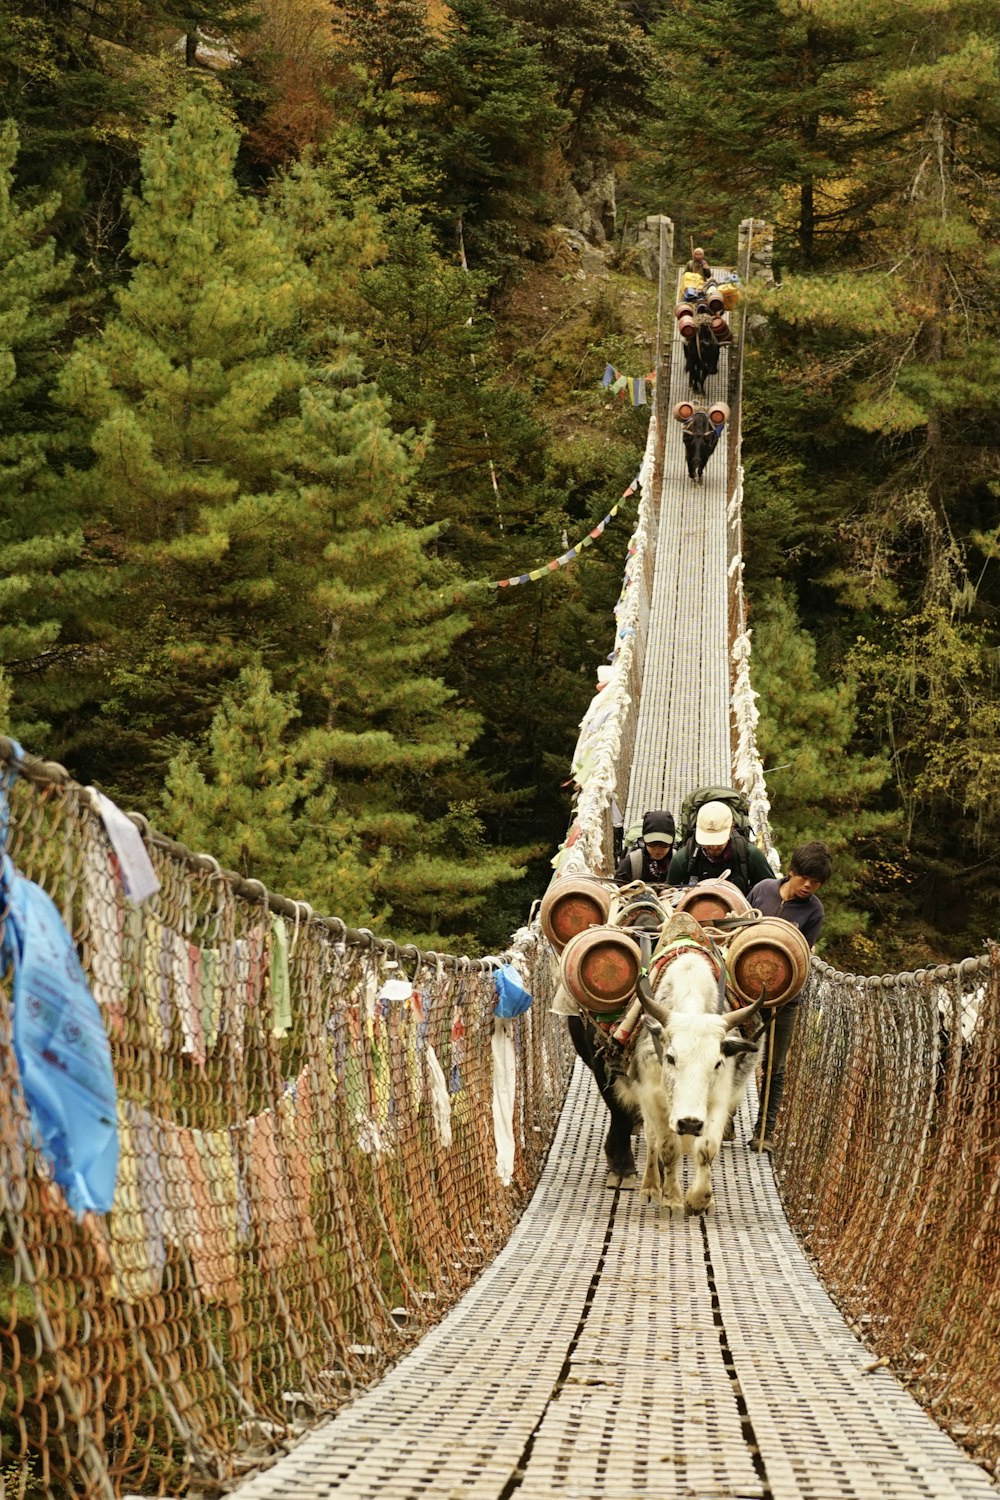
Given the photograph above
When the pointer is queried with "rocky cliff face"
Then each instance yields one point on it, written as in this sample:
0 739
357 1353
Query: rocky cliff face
588 201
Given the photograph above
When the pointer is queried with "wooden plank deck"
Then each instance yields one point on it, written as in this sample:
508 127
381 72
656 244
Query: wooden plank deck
682 737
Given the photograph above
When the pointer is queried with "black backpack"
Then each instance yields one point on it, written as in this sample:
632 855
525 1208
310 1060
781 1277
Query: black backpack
741 854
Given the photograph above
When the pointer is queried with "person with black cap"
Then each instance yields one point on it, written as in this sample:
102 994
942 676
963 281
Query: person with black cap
650 860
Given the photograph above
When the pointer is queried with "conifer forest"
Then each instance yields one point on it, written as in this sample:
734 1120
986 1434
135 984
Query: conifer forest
304 307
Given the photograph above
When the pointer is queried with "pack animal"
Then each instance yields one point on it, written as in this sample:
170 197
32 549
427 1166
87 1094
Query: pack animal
690 1067
701 355
700 439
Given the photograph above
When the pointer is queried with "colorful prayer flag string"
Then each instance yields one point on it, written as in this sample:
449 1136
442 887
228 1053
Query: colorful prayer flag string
559 562
617 384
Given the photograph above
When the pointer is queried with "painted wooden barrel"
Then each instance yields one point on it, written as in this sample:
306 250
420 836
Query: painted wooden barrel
718 412
772 953
683 410
686 326
682 310
722 331
710 900
600 967
570 905
714 298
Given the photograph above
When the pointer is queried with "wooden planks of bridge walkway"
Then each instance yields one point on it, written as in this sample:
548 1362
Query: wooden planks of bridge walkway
615 1350
682 734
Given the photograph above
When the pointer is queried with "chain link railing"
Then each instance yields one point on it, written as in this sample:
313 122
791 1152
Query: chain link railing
308 1172
888 1161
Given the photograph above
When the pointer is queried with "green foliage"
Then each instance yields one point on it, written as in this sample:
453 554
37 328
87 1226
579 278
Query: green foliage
930 694
46 589
493 119
599 63
386 39
760 109
259 799
820 786
294 436
257 503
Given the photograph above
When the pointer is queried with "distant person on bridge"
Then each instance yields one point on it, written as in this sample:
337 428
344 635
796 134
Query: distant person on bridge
698 264
650 860
794 898
715 850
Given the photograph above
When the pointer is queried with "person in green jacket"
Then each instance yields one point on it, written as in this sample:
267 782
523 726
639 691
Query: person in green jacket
715 850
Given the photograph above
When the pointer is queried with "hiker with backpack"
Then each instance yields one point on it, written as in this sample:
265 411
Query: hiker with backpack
715 841
794 898
648 858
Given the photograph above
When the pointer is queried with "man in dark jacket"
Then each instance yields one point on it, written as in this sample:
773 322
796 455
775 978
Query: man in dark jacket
699 264
716 850
794 898
651 861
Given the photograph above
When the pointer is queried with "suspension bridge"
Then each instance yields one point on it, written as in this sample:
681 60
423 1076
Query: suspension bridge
361 1243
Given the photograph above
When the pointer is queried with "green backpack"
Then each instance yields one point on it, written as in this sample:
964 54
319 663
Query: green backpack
697 799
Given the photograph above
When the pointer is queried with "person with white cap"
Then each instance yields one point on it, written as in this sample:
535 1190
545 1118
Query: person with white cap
715 850
698 264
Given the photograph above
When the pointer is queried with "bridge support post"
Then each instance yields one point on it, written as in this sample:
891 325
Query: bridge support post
756 249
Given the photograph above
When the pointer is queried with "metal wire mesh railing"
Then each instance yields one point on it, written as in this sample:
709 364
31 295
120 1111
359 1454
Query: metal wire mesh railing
308 1170
888 1162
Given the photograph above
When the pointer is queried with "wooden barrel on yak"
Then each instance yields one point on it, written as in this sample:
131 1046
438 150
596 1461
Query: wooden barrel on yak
718 412
683 411
772 953
600 967
714 298
569 906
711 900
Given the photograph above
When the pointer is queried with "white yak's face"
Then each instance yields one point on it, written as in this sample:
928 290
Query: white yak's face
697 1072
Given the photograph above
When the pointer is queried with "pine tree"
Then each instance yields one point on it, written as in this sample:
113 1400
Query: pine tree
493 119
377 151
599 64
525 666
193 405
819 785
388 38
895 384
45 588
257 501
259 799
762 108
83 81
